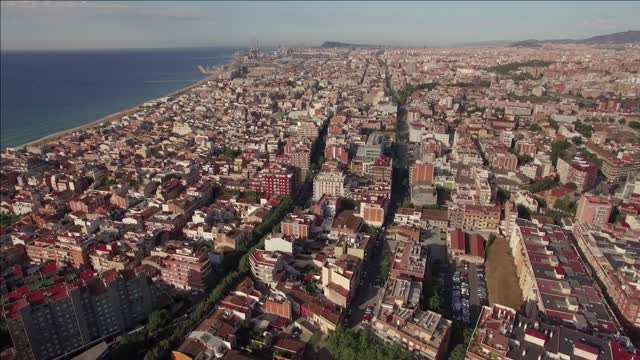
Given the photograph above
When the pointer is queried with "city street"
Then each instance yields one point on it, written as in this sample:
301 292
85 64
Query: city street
371 288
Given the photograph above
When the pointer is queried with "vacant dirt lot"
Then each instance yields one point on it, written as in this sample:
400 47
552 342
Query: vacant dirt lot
502 280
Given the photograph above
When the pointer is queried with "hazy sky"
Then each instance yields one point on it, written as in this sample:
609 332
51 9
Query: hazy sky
95 25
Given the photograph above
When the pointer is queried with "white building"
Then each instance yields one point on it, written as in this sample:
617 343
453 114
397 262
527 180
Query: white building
330 183
279 242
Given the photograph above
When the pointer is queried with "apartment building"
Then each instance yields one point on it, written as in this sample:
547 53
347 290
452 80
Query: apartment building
328 183
265 265
373 212
340 279
423 333
593 210
319 311
68 249
373 147
421 173
299 225
380 169
402 293
466 152
465 247
502 334
307 129
107 257
481 218
613 261
420 129
298 155
186 269
212 338
277 179
577 171
55 321
555 280
504 161
411 261
616 168
279 242
357 245
336 152
424 195
526 147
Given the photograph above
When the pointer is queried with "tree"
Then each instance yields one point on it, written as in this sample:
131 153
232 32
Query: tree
5 337
583 129
535 127
434 303
634 125
622 121
158 320
231 153
503 195
577 140
558 149
572 186
7 220
615 216
131 346
463 339
566 204
524 158
384 266
348 204
407 204
554 124
344 344
523 212
543 185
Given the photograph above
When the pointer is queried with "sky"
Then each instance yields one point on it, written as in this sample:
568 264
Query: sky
103 25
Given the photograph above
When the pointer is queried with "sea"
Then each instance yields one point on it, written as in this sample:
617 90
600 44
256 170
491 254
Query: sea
43 92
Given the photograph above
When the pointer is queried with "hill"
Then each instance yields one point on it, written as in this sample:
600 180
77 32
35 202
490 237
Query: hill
531 43
615 38
337 44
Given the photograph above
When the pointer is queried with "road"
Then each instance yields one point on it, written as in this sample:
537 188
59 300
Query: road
474 300
372 288
369 292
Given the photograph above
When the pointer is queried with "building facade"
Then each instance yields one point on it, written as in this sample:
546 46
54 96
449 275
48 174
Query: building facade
328 183
52 322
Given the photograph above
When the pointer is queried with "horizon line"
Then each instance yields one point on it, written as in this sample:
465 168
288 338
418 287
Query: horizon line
457 44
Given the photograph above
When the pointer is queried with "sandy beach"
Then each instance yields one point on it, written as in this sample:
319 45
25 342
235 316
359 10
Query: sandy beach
110 117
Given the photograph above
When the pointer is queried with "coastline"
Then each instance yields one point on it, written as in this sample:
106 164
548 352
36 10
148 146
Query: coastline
111 117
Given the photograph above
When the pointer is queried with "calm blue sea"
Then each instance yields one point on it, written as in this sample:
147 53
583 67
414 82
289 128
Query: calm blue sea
48 91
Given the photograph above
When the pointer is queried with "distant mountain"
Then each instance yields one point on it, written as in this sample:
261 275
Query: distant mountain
481 43
615 38
531 43
337 44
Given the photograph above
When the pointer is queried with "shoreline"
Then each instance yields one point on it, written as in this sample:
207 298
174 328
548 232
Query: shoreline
110 117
